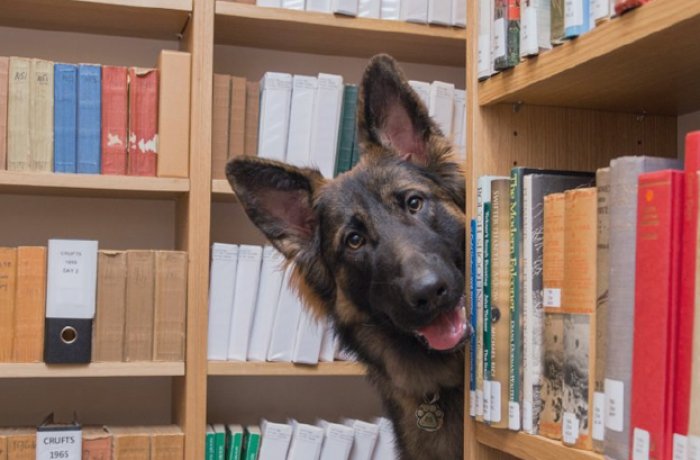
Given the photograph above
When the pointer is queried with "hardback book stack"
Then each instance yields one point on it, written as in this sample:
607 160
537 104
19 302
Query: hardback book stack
255 315
439 12
349 439
513 30
95 119
72 303
309 121
585 301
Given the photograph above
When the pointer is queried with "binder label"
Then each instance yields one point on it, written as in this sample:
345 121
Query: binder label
573 13
693 447
58 444
487 400
680 447
640 447
513 416
552 298
479 403
527 416
472 403
499 38
570 428
598 416
614 405
495 401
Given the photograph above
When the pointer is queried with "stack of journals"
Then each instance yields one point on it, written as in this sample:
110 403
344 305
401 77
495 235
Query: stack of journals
307 120
137 299
254 314
584 301
512 30
350 439
440 12
93 119
103 442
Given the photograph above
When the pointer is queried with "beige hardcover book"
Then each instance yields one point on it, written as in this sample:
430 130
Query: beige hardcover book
30 305
130 442
694 422
553 279
236 136
170 306
219 130
97 443
578 305
4 83
252 113
167 443
18 143
41 115
500 297
21 443
108 328
140 285
174 114
8 282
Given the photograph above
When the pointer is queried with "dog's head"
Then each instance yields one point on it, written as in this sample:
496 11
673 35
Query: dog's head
383 244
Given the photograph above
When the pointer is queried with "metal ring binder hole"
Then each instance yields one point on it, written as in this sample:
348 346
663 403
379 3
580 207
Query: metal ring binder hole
69 335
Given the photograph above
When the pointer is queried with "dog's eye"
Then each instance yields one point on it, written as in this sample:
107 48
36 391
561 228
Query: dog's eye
414 203
354 241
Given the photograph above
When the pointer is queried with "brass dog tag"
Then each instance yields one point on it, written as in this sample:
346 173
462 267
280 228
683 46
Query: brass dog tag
429 416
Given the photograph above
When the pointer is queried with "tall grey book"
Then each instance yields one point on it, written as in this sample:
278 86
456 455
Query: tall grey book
535 188
624 175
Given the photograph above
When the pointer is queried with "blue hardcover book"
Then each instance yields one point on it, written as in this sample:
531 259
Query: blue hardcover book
577 17
65 118
89 118
472 318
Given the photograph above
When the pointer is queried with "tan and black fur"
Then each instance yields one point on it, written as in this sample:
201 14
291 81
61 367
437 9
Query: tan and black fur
363 241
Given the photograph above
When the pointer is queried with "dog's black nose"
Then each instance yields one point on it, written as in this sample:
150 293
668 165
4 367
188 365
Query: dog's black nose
426 290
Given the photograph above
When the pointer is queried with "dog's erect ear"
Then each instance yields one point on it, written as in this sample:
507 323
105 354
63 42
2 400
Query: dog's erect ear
278 199
391 114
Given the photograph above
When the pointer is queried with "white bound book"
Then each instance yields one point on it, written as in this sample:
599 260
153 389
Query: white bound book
386 441
222 281
338 441
310 332
284 328
294 4
370 9
414 11
459 13
366 435
346 7
326 123
271 275
422 89
246 293
391 10
306 442
328 343
275 101
440 12
275 440
320 6
304 90
459 123
269 3
442 97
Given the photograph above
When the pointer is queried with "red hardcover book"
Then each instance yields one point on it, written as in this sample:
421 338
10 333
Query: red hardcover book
114 119
621 6
684 347
657 300
143 121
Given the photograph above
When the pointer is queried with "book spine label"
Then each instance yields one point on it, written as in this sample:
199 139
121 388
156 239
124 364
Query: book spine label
4 88
143 122
8 281
220 126
41 115
18 110
65 118
114 119
89 118
30 305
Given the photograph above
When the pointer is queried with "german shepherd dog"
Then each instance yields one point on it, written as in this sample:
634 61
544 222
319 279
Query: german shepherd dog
381 251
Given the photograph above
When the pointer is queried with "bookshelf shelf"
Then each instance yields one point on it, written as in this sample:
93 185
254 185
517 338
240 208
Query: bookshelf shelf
232 368
221 191
91 186
140 369
319 33
529 447
645 61
138 18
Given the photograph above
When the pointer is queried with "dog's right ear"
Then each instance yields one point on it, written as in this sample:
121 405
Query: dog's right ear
278 198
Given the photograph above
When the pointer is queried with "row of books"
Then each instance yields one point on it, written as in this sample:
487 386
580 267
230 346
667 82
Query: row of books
350 439
94 119
254 315
72 442
510 31
439 12
583 298
73 303
306 120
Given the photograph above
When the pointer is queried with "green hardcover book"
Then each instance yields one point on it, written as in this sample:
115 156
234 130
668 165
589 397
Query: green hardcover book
219 441
487 343
234 442
210 444
346 139
251 443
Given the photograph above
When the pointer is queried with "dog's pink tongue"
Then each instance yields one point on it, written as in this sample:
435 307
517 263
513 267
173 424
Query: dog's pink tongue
446 331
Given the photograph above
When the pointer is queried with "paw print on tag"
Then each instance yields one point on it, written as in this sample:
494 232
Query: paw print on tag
429 417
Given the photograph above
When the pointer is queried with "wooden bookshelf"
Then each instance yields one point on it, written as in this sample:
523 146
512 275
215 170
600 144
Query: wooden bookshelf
529 447
259 369
221 191
136 369
319 33
91 185
645 62
139 18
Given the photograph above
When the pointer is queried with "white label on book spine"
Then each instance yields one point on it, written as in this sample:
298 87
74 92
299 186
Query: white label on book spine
495 401
487 400
680 447
573 13
598 416
527 416
569 428
513 416
499 38
71 279
552 298
693 447
59 444
484 55
600 9
640 445
614 405
479 403
472 403
528 32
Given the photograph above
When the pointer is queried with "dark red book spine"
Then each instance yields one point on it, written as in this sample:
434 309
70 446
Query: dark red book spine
114 119
657 300
684 348
622 6
143 121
